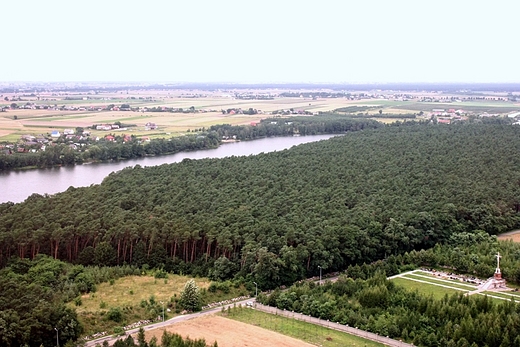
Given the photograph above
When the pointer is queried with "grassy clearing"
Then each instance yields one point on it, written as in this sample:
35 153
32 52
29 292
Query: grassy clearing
311 333
127 294
424 288
130 290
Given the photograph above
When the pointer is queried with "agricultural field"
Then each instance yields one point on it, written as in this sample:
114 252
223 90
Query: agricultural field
513 236
207 109
310 333
229 333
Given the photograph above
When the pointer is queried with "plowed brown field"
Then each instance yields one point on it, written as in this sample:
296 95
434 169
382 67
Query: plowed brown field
228 333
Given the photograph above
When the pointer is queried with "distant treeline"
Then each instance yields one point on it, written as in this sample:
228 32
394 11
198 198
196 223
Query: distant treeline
355 109
63 153
297 125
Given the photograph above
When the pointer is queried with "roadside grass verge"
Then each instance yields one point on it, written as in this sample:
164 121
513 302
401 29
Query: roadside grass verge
310 333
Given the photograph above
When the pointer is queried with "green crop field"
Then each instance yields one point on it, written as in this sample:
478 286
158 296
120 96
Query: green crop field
311 333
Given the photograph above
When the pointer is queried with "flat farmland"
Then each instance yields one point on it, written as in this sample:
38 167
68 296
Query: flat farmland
228 332
40 121
44 122
208 106
512 235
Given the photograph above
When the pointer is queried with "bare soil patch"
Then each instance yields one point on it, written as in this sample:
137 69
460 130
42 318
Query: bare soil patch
228 333
514 236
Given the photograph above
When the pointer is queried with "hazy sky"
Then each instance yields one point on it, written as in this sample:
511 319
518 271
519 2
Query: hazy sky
260 41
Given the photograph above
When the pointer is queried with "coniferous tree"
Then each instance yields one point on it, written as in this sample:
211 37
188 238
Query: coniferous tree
190 297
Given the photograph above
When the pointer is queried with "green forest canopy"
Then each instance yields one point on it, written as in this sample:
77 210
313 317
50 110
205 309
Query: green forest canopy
278 216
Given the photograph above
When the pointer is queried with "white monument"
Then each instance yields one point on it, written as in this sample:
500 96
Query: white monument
498 274
496 282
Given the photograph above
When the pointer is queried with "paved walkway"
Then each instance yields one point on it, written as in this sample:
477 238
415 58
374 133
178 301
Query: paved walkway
331 325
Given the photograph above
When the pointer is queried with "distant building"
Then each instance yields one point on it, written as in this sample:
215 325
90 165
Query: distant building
150 126
55 133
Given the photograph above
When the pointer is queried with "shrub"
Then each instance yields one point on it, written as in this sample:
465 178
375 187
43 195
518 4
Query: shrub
161 274
115 314
78 301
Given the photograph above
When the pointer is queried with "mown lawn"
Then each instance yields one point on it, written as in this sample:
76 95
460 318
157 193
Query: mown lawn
428 289
437 281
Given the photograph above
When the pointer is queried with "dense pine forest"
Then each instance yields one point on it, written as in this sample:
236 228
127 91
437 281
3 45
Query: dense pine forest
413 194
278 216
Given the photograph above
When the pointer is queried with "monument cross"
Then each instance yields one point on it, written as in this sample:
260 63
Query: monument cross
498 256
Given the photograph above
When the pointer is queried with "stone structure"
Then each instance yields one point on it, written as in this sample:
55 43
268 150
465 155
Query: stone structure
496 282
498 274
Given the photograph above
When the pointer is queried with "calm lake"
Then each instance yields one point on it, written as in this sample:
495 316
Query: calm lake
16 186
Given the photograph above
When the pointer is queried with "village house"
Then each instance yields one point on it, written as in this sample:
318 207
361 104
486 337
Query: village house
28 138
150 126
105 127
